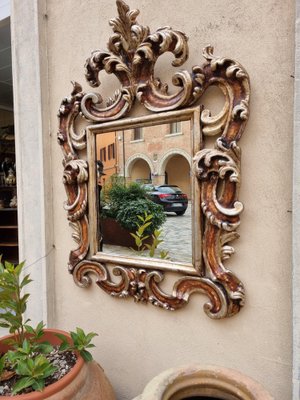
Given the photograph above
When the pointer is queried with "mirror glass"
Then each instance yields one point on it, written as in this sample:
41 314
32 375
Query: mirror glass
144 191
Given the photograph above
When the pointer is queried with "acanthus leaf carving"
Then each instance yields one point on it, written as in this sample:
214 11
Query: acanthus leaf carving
128 33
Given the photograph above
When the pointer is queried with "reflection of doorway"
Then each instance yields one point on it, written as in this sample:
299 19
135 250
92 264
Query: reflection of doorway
140 171
177 172
166 178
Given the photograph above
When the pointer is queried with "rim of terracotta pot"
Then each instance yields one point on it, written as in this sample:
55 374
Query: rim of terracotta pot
49 335
208 381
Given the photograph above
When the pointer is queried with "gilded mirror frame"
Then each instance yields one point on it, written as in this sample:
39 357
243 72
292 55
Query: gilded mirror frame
131 57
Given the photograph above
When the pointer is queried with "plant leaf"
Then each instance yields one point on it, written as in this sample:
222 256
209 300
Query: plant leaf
44 348
26 280
90 336
22 384
61 337
39 385
86 355
24 367
64 346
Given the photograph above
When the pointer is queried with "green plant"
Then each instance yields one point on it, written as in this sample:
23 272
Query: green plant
140 237
128 213
27 356
125 202
156 240
33 372
119 192
13 304
113 181
81 342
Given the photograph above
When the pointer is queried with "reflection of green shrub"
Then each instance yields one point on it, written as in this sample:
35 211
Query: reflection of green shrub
119 193
125 203
128 214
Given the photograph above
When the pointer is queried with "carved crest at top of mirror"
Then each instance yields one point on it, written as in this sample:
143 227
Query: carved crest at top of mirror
152 208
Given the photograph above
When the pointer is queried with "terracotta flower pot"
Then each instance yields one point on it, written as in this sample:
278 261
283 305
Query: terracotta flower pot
84 381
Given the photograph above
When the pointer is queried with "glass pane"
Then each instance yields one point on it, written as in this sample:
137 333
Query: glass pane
144 192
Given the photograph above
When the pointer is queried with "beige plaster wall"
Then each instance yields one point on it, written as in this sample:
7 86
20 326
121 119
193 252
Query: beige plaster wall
136 342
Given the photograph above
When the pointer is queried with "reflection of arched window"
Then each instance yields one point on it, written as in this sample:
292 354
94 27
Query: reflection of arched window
138 133
175 127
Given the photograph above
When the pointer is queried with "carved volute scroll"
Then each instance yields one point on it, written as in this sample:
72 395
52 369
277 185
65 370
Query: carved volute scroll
131 57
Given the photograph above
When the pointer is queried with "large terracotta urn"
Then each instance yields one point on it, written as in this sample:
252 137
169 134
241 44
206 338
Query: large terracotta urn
84 381
203 382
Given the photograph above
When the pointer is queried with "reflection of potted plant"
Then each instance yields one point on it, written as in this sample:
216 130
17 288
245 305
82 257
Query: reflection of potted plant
38 363
121 206
141 238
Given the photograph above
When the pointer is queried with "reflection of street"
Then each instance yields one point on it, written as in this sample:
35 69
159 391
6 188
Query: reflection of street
177 235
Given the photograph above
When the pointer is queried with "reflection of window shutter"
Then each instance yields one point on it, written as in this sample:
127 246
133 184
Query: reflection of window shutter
111 151
175 127
137 134
103 154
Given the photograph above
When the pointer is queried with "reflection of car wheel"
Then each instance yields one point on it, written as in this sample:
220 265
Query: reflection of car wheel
179 212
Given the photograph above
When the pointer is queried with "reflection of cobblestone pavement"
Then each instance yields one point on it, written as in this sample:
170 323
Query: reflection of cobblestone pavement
177 235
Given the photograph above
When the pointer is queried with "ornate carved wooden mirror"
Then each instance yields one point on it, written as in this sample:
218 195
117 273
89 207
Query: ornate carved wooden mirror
153 174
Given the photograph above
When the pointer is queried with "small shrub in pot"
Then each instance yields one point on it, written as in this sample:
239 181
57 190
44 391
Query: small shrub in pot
31 356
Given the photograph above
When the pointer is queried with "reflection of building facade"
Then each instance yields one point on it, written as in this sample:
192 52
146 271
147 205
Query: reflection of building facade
106 152
155 154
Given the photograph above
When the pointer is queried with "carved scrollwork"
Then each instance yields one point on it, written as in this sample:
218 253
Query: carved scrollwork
221 209
75 175
69 110
143 286
131 56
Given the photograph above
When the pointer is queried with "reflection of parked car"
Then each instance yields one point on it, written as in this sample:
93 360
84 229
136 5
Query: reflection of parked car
170 197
